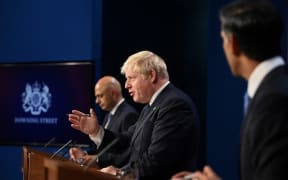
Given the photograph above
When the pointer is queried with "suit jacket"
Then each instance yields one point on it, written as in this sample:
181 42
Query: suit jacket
164 139
124 117
264 139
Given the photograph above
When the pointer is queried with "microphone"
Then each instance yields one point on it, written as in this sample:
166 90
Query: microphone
48 143
60 149
66 152
100 153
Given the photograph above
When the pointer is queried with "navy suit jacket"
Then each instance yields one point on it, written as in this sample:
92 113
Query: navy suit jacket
264 139
124 117
164 139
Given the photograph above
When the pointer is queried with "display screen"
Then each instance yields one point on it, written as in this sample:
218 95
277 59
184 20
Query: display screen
36 98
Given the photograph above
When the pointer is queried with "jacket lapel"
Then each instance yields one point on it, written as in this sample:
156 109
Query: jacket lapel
146 115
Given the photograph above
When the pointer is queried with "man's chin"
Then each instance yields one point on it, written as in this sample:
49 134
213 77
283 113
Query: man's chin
137 100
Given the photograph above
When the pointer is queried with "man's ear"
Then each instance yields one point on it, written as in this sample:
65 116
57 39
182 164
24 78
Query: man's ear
235 44
153 75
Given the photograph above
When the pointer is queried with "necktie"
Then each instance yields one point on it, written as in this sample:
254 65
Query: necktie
108 121
247 100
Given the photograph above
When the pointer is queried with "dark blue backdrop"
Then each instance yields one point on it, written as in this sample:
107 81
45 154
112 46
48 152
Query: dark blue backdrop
186 34
49 30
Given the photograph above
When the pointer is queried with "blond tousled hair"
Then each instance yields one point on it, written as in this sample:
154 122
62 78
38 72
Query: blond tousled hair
144 62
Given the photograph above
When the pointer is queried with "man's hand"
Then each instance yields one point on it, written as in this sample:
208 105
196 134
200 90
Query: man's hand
87 124
79 156
110 170
206 174
181 175
76 153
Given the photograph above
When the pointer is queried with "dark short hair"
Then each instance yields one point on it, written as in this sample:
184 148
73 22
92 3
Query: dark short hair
257 27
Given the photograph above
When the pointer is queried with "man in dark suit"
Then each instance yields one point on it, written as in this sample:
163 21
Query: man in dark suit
164 139
251 34
120 117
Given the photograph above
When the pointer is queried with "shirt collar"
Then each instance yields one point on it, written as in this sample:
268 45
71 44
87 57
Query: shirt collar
260 72
155 95
116 107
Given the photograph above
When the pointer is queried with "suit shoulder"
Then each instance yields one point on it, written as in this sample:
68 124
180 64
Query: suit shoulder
172 96
125 106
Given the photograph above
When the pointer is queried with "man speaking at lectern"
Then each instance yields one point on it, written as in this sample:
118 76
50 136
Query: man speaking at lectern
165 137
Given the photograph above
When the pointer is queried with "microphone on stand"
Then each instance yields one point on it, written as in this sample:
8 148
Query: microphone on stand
66 152
100 153
48 143
61 148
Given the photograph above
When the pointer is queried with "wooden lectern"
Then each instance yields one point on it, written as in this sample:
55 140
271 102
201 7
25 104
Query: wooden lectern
33 163
38 165
66 170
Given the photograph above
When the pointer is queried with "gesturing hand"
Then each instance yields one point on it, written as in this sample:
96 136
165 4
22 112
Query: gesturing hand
87 124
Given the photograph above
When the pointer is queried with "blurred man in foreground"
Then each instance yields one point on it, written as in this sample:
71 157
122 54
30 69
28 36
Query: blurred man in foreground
251 34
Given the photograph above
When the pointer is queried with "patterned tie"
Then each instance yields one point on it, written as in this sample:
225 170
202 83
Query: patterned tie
108 121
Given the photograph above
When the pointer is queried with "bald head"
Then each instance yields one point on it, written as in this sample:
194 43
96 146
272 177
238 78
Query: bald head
108 92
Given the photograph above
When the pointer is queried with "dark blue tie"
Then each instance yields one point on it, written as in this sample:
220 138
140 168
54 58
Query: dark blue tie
108 120
247 100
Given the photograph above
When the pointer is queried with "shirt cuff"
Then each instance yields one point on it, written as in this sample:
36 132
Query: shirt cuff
99 137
